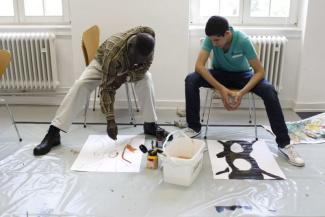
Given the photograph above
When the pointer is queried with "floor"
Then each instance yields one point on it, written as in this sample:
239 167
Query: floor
45 186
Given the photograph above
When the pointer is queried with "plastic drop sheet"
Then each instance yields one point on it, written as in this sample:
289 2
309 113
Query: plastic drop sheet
45 186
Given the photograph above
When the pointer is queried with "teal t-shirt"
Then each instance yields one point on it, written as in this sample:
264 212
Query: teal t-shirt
236 58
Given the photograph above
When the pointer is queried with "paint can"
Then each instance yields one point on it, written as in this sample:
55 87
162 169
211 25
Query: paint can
152 160
160 133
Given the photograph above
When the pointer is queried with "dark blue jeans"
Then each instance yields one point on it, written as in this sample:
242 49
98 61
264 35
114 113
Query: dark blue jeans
263 89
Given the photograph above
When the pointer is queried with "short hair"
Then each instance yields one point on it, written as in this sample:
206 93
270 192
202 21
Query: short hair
144 44
216 25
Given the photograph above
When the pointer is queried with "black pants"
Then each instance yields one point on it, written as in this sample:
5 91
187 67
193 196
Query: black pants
263 89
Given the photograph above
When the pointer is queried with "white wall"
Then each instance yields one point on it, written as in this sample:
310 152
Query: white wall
175 53
169 19
177 49
310 89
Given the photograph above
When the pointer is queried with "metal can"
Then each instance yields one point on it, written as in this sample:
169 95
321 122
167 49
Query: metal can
160 135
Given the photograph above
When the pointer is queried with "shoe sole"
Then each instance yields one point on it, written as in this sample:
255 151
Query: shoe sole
295 164
289 161
44 153
196 135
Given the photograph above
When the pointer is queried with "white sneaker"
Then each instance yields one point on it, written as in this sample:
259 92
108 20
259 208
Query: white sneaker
181 123
292 156
191 133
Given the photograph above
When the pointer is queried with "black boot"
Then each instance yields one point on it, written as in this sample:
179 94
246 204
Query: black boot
151 128
51 139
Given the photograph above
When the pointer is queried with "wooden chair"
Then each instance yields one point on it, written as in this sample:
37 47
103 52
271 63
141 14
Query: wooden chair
89 45
5 58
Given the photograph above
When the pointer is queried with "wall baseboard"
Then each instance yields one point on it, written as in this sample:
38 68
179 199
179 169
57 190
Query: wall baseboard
309 107
55 99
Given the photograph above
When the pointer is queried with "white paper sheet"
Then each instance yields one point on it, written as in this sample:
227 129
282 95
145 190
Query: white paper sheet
265 165
102 154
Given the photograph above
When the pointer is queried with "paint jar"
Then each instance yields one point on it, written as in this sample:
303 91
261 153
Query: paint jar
152 160
160 133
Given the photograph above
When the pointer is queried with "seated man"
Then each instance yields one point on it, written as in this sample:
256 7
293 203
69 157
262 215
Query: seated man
235 65
122 57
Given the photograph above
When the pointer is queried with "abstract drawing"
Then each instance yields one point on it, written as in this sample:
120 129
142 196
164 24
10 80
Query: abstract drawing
243 159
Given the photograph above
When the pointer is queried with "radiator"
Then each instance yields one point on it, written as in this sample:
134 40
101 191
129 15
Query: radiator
33 62
270 50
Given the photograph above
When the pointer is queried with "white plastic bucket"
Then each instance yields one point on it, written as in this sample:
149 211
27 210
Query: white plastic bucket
183 159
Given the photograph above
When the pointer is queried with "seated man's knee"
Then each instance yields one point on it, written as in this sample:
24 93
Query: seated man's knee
83 84
269 91
146 80
80 82
192 78
147 76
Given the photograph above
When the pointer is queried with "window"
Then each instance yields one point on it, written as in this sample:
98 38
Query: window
7 8
246 12
34 11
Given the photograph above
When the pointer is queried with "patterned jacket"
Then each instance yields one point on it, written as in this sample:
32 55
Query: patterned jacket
115 67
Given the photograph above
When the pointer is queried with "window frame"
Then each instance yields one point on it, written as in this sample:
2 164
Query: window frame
11 19
20 17
244 18
292 20
195 17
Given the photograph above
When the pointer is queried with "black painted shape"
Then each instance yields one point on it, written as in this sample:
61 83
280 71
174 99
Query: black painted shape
255 172
232 208
223 171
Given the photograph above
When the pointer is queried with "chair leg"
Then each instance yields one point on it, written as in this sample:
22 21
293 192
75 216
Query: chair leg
131 114
207 125
13 122
135 98
85 112
205 104
254 110
250 107
95 94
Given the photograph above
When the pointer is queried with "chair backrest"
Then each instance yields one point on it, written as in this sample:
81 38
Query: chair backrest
4 61
90 43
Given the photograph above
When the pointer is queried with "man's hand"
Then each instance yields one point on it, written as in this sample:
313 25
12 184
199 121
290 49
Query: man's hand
111 129
226 96
231 99
237 97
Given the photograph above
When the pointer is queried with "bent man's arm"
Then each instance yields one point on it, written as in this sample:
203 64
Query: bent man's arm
204 72
138 72
107 103
259 74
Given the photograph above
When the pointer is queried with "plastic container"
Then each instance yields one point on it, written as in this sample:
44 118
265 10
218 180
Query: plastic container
182 160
